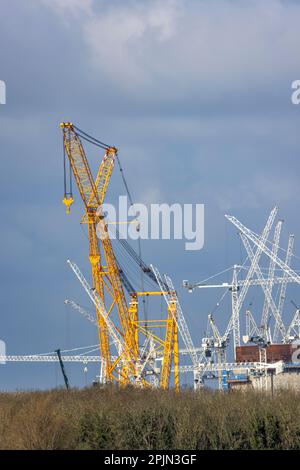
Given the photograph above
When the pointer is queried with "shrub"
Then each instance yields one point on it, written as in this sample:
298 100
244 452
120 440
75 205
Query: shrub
109 418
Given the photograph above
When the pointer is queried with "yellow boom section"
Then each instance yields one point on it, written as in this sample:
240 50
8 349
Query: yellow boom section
80 166
102 180
170 349
104 174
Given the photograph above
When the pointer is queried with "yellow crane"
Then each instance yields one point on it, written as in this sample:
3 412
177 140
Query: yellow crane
93 194
107 278
171 349
167 347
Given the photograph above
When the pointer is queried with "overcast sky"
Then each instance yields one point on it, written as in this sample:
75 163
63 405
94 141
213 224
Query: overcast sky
197 97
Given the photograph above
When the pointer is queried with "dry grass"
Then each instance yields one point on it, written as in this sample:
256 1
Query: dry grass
108 418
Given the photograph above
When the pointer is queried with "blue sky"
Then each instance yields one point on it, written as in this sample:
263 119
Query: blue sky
196 95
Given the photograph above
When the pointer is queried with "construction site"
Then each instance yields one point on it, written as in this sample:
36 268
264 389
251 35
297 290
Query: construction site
138 346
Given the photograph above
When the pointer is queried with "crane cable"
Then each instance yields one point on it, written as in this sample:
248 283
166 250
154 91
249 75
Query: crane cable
124 181
66 192
64 163
91 139
139 239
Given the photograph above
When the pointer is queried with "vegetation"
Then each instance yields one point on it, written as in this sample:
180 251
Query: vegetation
108 418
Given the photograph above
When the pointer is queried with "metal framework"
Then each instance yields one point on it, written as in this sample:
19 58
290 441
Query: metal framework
284 284
271 273
133 364
256 246
293 331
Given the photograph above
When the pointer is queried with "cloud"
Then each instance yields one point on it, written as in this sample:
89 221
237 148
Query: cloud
179 49
120 37
173 56
74 7
262 190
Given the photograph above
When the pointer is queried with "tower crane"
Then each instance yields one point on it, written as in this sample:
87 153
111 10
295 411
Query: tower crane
254 277
260 243
220 343
293 331
252 330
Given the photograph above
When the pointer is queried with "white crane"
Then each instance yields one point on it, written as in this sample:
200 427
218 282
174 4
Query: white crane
258 242
293 331
238 299
220 343
271 273
264 287
82 311
117 339
84 358
240 283
235 311
252 329
169 296
283 288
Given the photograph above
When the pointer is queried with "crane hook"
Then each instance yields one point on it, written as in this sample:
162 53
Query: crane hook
68 201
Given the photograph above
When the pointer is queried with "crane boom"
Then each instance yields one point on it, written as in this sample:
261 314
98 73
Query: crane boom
126 355
169 294
88 191
275 247
294 327
82 311
259 242
284 284
265 288
102 180
215 329
257 256
79 165
182 324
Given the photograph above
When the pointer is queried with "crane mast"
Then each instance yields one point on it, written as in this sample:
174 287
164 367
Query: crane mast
284 284
126 356
275 247
170 348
